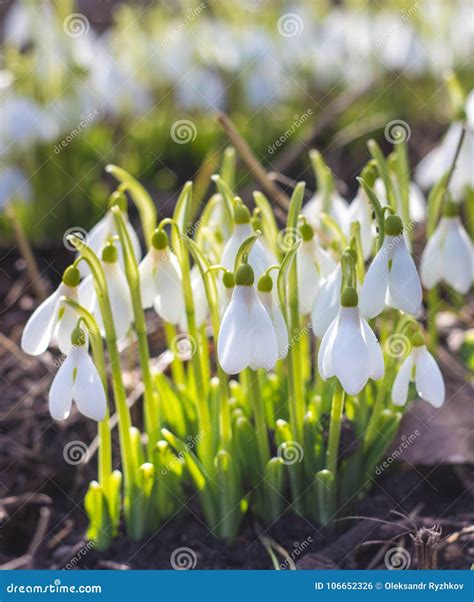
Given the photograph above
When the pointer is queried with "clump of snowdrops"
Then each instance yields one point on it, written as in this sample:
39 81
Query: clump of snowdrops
281 339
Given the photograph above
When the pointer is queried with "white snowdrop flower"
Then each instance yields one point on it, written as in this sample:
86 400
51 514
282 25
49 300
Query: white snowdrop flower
392 277
77 379
309 274
448 255
327 264
247 337
264 293
349 349
119 293
225 289
327 302
416 199
439 160
421 367
258 257
105 230
201 307
338 208
52 320
161 282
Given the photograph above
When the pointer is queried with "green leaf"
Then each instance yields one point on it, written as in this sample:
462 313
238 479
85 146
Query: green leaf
245 248
377 207
229 165
269 225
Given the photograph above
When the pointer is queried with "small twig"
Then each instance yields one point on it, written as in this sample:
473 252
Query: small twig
28 498
41 529
16 563
252 162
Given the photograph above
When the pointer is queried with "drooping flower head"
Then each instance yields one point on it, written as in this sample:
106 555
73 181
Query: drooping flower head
448 255
247 336
392 278
350 350
77 380
53 320
309 273
264 293
421 367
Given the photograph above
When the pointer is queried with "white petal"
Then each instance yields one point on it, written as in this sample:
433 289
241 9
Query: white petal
66 324
120 301
377 367
97 238
428 378
417 203
457 257
240 233
326 263
87 294
431 264
235 344
61 392
88 390
146 271
325 367
349 354
404 287
326 303
308 277
169 301
265 346
199 295
401 382
374 287
278 321
39 329
134 240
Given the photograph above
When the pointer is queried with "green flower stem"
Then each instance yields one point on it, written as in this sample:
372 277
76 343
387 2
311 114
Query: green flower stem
151 409
432 310
125 422
337 408
295 354
259 417
105 444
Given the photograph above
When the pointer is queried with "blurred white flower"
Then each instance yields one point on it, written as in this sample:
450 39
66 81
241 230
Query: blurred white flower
264 293
326 303
14 186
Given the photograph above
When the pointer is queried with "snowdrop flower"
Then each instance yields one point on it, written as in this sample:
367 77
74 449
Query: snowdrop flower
349 350
421 367
327 303
392 277
247 336
118 291
448 255
225 290
258 257
200 300
416 199
53 320
77 379
337 208
309 274
105 230
264 293
160 280
439 160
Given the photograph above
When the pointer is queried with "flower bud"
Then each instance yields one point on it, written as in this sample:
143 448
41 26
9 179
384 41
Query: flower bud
78 338
110 253
244 275
228 279
265 284
393 225
349 297
71 276
241 214
306 232
159 240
